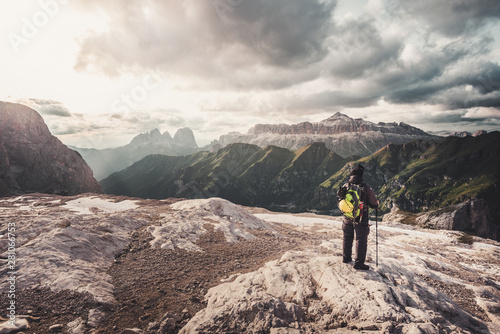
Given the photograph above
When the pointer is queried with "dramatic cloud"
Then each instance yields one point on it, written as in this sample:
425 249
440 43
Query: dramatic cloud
223 65
452 17
327 100
477 86
48 107
359 48
483 113
224 41
400 51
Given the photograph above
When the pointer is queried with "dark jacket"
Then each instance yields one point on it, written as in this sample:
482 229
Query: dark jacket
370 199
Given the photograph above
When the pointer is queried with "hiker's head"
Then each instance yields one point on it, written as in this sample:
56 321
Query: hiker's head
358 170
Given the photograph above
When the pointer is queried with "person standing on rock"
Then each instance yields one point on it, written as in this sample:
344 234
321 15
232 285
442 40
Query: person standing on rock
358 225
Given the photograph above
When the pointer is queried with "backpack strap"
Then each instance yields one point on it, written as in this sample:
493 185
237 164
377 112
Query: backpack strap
341 192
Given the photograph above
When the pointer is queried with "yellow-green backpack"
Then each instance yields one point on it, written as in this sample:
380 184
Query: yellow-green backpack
350 199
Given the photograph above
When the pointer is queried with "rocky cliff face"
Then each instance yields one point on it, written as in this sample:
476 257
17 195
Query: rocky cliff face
336 124
153 137
471 216
340 133
184 138
107 161
32 160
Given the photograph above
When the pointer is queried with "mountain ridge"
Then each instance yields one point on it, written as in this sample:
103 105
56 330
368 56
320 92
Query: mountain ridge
336 124
428 176
342 134
244 173
107 161
419 176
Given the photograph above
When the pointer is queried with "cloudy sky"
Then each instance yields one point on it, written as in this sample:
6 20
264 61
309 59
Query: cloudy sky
101 72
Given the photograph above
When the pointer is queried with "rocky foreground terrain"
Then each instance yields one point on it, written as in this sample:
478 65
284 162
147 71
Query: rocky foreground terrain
96 263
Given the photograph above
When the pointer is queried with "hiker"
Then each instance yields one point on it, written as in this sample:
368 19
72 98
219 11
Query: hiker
359 224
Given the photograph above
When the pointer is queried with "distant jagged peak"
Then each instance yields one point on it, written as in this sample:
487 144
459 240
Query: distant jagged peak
343 119
185 137
183 131
154 136
166 136
337 117
334 125
460 134
463 134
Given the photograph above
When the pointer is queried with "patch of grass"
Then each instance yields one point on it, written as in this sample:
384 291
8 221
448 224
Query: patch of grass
466 238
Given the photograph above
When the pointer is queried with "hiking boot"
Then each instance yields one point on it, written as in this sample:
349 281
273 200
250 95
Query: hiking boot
361 266
346 260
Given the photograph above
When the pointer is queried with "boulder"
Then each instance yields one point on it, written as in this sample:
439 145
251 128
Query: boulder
471 216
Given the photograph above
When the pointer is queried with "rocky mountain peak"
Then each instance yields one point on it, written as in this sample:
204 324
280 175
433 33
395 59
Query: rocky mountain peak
479 133
463 134
334 125
185 137
107 161
20 121
337 117
152 137
33 160
155 134
166 136
340 133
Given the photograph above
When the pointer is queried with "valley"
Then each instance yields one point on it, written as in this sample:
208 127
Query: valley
436 176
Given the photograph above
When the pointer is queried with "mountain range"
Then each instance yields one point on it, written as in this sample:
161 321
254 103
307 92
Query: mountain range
443 183
342 134
105 162
33 160
419 176
272 177
109 264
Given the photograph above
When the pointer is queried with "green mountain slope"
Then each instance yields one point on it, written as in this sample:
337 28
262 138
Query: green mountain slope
420 176
246 174
426 175
456 180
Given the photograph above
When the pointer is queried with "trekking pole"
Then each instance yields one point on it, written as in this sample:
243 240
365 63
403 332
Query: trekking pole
376 236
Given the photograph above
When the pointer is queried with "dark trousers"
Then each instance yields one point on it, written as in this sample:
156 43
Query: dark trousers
362 230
